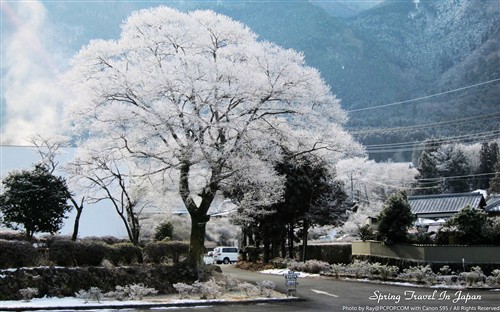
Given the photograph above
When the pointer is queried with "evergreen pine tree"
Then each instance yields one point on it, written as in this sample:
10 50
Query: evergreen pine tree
395 219
487 160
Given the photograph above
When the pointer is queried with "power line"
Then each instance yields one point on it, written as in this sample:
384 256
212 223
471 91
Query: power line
410 146
452 139
476 118
424 97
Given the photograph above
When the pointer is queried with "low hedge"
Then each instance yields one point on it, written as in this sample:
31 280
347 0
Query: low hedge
14 254
60 281
334 253
158 252
62 251
70 253
126 254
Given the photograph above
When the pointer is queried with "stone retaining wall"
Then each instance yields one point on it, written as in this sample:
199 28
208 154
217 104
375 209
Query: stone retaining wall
65 281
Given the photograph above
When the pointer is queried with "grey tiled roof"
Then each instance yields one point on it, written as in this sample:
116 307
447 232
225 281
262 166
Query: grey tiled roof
445 203
493 204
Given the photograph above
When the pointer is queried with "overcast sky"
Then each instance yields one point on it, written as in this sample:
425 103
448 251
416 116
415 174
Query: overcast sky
32 98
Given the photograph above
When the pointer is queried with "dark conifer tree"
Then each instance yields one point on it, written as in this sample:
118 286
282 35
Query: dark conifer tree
35 201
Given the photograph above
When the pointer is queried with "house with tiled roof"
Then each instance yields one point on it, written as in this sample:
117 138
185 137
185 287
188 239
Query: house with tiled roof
443 206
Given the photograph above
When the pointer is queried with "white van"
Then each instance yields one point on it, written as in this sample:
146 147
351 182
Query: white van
225 255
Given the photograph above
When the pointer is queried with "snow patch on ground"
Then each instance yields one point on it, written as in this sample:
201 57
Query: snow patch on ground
285 271
63 302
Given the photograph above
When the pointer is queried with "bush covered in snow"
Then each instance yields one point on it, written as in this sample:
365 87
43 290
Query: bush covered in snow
93 294
132 291
28 293
266 288
422 274
315 266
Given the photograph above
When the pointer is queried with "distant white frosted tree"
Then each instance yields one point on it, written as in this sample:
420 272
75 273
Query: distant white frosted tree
370 184
196 98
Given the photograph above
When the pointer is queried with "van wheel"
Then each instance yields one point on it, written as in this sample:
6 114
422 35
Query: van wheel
226 261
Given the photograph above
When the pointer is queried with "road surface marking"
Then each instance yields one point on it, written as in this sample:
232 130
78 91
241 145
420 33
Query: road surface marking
323 293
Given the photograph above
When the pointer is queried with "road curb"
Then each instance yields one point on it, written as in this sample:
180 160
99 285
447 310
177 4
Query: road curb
155 305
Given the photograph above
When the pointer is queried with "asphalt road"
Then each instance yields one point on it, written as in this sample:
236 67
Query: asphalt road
323 294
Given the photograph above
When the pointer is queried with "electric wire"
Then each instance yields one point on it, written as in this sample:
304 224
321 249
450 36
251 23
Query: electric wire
424 97
473 119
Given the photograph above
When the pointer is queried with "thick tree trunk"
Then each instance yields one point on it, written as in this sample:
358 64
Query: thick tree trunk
197 239
198 213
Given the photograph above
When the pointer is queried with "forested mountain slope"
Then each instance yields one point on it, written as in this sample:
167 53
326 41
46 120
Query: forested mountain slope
374 55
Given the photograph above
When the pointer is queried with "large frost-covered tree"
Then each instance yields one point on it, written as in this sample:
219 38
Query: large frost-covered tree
196 98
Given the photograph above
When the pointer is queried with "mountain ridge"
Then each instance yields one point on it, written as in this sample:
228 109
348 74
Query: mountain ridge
371 54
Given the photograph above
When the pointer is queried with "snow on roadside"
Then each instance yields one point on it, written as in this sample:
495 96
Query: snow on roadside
285 271
62 302
407 284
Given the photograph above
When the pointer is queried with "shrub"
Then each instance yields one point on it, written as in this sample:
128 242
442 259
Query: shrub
266 288
177 249
28 293
248 289
358 268
494 279
384 271
280 263
93 294
108 240
315 266
207 290
296 266
126 254
12 236
229 283
164 230
468 227
155 252
395 219
62 252
445 270
253 266
132 291
91 253
367 232
491 231
80 253
336 253
16 254
419 273
183 289
474 277
158 252
337 269
421 237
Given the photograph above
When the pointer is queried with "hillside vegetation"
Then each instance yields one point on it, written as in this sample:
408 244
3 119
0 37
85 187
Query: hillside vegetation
443 53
